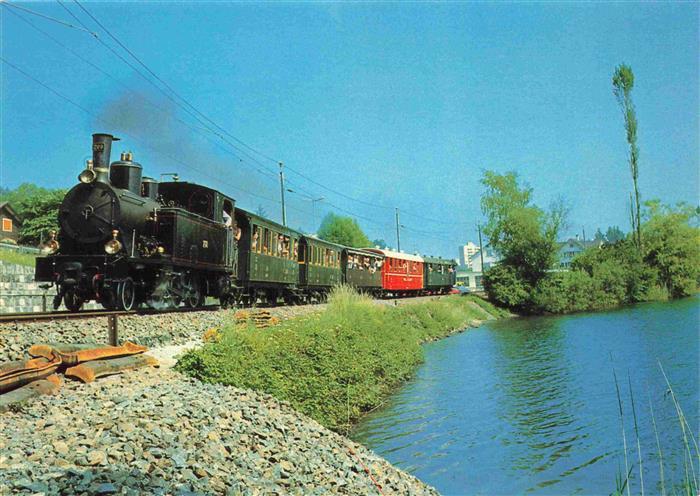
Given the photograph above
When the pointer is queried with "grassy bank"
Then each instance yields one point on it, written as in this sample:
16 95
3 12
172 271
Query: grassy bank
14 257
336 364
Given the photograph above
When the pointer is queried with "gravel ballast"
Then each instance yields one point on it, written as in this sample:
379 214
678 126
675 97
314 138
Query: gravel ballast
155 431
158 432
149 330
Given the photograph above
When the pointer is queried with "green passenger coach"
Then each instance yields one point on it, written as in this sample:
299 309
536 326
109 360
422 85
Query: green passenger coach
319 264
439 275
362 270
268 258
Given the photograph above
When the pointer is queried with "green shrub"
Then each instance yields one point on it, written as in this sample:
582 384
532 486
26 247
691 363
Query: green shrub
14 257
564 292
505 288
335 364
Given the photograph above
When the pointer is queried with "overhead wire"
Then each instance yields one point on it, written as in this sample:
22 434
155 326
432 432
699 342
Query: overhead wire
238 140
174 159
154 105
164 83
266 172
39 14
158 88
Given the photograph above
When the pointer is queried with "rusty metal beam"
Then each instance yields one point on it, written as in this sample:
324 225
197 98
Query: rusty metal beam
89 371
79 353
13 399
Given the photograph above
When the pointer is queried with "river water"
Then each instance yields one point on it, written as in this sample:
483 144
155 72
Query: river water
529 405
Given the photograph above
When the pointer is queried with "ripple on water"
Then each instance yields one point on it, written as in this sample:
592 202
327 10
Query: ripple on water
529 404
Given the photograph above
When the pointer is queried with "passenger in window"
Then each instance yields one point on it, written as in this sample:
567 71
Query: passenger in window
285 247
254 244
238 233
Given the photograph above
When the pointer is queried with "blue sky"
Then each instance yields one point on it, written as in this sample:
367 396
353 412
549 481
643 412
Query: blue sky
394 104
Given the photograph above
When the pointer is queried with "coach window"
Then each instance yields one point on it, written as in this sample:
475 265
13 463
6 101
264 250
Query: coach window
266 241
255 243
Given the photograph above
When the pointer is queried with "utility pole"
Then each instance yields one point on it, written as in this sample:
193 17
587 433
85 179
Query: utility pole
481 248
398 235
284 210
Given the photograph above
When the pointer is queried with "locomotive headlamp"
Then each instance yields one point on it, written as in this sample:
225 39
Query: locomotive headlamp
113 245
52 245
88 175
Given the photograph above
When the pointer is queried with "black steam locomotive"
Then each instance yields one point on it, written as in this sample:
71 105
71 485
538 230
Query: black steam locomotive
126 240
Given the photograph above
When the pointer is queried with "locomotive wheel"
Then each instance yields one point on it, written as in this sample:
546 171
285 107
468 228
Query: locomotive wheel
73 300
193 296
126 294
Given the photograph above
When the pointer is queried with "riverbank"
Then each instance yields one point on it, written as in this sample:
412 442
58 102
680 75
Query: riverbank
339 363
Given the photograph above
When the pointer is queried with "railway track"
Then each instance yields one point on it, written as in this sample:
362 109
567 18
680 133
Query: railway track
86 314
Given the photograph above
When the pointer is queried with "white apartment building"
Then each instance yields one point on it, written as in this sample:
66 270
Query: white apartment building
466 254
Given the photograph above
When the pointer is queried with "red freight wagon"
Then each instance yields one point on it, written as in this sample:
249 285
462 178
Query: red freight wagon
401 272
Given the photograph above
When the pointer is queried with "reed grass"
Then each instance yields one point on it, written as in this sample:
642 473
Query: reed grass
688 485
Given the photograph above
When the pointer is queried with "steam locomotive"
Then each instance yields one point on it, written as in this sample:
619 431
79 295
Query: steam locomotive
127 240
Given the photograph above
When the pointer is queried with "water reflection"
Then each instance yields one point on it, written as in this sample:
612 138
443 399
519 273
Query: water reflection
529 405
538 394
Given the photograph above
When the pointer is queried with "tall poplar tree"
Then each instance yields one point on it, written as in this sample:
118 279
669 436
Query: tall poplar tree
623 82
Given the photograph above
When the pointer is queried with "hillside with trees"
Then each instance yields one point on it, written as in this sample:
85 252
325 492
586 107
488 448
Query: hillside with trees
38 209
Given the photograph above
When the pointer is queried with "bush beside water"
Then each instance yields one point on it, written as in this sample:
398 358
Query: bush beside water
667 266
336 364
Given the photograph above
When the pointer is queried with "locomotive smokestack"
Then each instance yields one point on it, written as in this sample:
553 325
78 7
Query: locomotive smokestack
101 151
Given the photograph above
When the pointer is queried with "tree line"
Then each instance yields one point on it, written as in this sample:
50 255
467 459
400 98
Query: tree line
616 273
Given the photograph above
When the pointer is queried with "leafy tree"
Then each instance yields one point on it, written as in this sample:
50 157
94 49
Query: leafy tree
40 216
619 271
524 235
614 234
623 82
21 194
38 209
506 288
599 236
342 230
563 292
380 243
672 246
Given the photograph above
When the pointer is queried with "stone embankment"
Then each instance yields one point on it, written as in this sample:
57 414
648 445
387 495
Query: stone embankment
19 292
155 431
